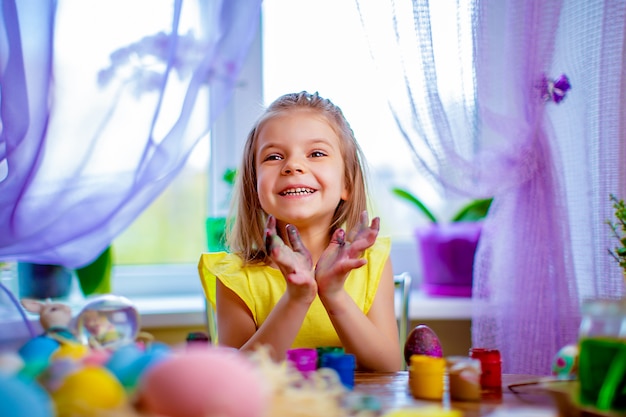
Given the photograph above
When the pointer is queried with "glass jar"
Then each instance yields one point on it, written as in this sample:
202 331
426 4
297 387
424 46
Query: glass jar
603 318
602 354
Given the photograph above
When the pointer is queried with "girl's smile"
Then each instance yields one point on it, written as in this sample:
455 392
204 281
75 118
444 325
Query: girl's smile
297 191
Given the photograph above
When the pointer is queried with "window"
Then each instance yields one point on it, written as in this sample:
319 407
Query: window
314 46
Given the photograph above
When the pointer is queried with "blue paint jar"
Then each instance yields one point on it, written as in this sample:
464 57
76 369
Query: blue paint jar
344 364
323 350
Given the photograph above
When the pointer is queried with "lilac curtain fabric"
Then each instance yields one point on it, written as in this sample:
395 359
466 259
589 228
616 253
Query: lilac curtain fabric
101 104
466 83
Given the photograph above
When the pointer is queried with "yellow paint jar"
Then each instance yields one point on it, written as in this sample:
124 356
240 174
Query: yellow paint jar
426 377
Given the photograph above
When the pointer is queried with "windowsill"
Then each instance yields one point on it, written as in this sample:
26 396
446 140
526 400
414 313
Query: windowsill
189 311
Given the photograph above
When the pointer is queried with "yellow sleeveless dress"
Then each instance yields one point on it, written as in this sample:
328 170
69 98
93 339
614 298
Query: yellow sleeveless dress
260 287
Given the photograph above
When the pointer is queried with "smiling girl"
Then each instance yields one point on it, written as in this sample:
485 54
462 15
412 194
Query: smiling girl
294 277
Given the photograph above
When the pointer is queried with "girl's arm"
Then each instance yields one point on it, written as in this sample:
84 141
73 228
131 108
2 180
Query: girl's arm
235 324
372 338
236 327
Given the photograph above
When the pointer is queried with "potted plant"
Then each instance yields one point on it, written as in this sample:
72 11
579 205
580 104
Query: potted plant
42 281
618 228
447 249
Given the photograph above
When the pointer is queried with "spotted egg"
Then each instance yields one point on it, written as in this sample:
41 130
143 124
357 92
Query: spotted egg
422 340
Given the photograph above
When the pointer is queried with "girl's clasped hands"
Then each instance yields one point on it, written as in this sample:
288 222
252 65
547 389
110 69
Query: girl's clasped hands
327 277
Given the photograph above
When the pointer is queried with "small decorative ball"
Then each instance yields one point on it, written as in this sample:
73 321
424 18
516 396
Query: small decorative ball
23 398
204 382
108 321
88 392
565 362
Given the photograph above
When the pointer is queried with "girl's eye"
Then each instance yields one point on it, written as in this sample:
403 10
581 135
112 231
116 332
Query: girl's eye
273 157
317 154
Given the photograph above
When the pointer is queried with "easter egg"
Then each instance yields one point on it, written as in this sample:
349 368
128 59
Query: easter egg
422 340
36 355
565 362
204 382
10 363
23 398
88 392
427 411
37 348
128 363
73 351
96 357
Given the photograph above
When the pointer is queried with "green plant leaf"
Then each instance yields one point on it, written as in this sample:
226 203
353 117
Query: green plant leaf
474 211
409 197
95 278
229 176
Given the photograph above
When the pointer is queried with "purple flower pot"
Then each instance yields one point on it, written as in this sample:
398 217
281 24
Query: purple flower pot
447 254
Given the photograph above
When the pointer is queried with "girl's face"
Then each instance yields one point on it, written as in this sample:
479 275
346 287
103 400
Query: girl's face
300 169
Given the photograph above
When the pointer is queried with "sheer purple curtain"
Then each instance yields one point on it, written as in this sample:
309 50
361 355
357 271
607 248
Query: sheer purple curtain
467 85
101 105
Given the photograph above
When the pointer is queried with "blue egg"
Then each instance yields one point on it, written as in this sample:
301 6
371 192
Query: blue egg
157 348
40 347
121 361
36 355
153 355
128 363
23 398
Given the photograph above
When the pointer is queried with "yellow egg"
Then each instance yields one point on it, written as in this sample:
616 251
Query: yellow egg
87 392
427 411
74 351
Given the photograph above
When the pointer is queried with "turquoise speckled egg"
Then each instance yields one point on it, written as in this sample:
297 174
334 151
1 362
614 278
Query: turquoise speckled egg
565 362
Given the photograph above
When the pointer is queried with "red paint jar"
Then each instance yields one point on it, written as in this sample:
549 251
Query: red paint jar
491 364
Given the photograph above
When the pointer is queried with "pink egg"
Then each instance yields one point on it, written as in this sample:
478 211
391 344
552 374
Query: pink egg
204 382
97 357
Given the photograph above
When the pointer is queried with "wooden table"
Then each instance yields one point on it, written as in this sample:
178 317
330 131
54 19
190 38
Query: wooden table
392 390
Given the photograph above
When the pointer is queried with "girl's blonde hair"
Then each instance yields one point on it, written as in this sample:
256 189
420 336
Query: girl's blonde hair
246 225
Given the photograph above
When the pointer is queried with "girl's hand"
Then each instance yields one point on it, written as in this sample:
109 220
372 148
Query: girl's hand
343 255
294 262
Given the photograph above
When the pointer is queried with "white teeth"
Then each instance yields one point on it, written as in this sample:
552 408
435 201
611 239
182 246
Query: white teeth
298 191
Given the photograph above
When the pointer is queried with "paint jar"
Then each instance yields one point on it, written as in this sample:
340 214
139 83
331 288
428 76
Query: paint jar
464 378
303 359
323 350
491 366
344 364
426 377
